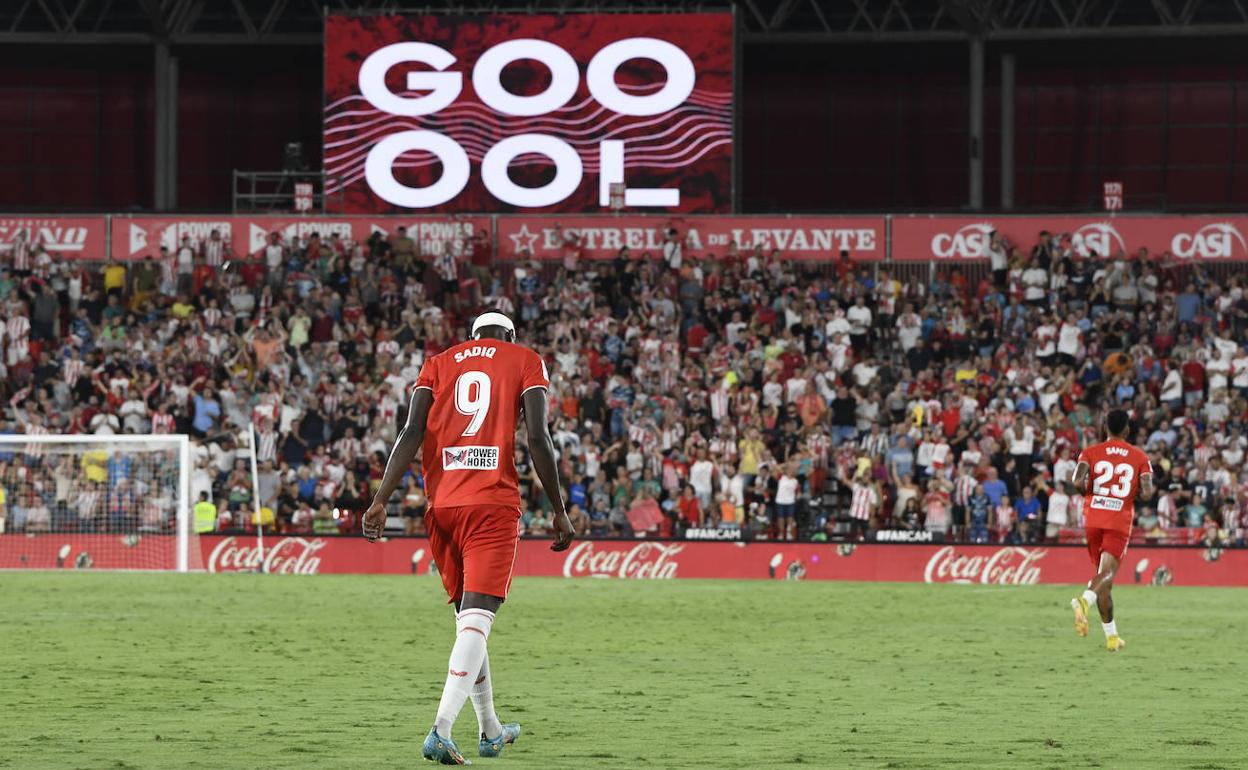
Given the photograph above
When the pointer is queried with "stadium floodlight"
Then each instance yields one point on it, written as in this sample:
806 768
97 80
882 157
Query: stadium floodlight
105 502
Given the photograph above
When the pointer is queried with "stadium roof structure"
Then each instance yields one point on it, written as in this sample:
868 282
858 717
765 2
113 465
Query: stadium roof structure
956 20
299 22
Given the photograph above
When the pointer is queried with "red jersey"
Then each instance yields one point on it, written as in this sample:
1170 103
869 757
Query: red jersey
1114 471
470 435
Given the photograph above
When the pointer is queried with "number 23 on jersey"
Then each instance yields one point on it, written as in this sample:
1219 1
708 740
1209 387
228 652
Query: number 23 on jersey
1121 475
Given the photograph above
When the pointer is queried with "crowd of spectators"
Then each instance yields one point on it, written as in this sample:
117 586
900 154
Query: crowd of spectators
737 390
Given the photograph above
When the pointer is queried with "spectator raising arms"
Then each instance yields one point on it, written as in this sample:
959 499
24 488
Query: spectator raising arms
731 389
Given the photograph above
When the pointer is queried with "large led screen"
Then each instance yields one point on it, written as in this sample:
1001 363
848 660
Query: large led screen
517 112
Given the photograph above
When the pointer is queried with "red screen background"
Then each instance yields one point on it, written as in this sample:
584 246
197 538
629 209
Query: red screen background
689 147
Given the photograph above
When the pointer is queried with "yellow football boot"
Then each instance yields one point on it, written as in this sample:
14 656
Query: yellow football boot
1080 606
1115 643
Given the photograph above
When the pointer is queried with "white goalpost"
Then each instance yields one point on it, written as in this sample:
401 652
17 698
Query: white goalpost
255 495
102 502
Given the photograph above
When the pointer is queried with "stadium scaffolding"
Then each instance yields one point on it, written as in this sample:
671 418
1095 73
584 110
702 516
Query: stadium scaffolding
291 22
168 25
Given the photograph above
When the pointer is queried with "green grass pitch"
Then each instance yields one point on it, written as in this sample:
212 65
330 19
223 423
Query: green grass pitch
247 671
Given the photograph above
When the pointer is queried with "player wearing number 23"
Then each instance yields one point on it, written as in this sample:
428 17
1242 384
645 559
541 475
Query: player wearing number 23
1111 476
1115 468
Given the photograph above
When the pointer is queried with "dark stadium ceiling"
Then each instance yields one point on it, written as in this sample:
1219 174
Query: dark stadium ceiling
298 22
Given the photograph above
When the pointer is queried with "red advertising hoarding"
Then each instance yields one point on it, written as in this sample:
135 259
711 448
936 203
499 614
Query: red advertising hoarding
601 237
62 237
627 559
140 236
953 238
545 237
56 550
521 112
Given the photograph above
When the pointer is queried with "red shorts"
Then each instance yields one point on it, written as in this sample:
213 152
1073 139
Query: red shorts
474 548
1110 541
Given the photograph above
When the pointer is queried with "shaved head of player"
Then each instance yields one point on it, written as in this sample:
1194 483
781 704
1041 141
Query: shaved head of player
465 407
1111 476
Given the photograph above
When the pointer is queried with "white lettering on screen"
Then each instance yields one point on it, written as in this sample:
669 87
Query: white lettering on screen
443 88
563 77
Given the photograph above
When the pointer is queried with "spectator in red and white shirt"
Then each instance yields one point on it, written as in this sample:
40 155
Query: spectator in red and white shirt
185 262
266 442
215 250
864 499
1003 518
446 265
162 421
72 367
348 447
212 314
569 248
17 334
20 254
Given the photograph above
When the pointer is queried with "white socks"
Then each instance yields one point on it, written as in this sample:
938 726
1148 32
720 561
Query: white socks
1110 629
483 702
472 629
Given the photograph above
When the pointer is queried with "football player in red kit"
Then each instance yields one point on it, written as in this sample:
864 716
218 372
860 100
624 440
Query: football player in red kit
465 409
1118 474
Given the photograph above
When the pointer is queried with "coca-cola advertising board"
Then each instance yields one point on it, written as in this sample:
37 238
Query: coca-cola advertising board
628 559
960 238
140 236
523 112
63 237
811 238
990 565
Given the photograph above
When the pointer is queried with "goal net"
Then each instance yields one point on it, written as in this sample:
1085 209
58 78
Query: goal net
96 502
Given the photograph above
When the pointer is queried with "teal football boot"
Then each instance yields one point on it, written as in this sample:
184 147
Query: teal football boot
492 748
442 750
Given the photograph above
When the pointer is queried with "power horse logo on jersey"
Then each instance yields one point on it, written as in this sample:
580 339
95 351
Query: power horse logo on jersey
470 458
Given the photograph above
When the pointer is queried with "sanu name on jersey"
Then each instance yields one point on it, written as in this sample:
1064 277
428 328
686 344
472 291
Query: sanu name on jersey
1116 450
477 350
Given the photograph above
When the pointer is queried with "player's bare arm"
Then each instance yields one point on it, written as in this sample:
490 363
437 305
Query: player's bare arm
1146 490
1079 479
406 445
542 450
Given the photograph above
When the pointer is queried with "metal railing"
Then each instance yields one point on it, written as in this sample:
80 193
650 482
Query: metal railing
261 192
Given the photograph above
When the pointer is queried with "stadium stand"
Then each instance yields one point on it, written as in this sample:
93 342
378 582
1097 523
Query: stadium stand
742 392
